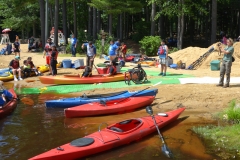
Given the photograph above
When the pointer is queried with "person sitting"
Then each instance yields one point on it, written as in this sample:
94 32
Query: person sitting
26 69
9 48
14 67
112 69
5 95
87 72
32 66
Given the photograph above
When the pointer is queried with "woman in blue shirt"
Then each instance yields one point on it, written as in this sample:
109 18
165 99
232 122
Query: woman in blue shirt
112 51
73 46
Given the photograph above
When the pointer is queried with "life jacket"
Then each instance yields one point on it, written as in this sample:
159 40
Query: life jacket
54 55
114 69
15 64
162 50
48 48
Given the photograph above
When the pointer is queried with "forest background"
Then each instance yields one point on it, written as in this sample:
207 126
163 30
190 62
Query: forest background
191 22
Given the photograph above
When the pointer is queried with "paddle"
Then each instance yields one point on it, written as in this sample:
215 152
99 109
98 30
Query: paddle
139 92
96 68
164 147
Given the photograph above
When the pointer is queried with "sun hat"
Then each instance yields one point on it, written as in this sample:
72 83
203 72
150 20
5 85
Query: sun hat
17 57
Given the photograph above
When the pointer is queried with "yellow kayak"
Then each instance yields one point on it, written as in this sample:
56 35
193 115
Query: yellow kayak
150 63
7 76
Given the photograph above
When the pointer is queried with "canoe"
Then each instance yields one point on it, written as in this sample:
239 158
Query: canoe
112 136
118 106
76 79
71 102
10 106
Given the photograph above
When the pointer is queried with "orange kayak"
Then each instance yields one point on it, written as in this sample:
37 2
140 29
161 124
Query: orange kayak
76 79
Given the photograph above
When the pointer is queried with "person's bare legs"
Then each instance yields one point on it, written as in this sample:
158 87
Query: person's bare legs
14 74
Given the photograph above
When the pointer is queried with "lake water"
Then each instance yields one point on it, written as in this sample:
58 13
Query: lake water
32 129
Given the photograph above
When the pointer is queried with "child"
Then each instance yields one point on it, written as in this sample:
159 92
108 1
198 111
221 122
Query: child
87 72
26 69
53 61
32 66
112 69
5 95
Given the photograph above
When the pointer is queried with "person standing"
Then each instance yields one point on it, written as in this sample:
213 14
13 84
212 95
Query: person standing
163 57
112 51
118 43
53 61
47 52
73 45
226 63
91 53
15 67
30 43
123 49
16 48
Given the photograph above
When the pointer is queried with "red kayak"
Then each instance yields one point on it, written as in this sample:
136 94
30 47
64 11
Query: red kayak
113 136
76 79
10 106
110 107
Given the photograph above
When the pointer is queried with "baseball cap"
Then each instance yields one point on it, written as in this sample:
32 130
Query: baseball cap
17 57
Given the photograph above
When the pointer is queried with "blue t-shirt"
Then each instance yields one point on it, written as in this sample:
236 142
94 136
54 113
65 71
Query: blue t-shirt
112 49
118 43
2 102
7 94
91 51
73 41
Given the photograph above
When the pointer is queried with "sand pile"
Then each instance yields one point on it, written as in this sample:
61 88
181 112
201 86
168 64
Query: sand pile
191 54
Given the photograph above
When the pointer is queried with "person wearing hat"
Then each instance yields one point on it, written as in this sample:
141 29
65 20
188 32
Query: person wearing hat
15 67
5 95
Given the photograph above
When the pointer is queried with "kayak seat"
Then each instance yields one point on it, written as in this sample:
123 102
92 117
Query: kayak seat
127 125
81 142
116 129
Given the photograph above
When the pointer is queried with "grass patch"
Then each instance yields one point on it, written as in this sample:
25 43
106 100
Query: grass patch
224 137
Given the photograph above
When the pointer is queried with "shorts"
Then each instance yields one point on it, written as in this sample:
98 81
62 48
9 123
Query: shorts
163 61
48 59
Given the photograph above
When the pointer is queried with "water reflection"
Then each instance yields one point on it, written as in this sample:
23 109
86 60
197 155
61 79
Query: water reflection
33 129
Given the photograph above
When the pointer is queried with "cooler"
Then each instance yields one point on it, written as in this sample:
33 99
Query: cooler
67 63
102 70
215 65
78 63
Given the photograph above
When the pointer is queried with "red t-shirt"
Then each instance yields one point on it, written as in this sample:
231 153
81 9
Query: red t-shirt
124 49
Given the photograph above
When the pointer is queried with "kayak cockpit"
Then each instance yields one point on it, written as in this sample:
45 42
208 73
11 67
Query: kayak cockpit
125 126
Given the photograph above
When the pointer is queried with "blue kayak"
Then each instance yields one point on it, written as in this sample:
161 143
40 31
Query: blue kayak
3 70
71 102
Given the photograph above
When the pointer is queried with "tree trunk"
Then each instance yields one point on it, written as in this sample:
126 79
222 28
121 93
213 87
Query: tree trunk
42 19
110 25
51 15
56 22
180 25
147 14
121 26
94 24
65 20
152 19
214 21
99 21
22 34
34 30
90 20
75 19
46 20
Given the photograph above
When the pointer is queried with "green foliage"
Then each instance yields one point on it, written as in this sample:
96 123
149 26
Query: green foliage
141 29
223 136
150 45
232 113
98 44
172 50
